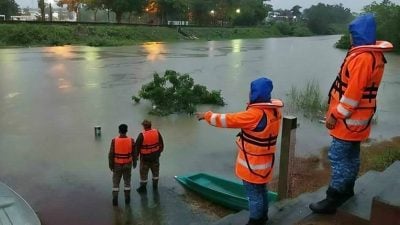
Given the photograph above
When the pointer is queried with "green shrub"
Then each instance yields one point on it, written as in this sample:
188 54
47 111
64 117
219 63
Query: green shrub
176 93
344 42
301 30
284 28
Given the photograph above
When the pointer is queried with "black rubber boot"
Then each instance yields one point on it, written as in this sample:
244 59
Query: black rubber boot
127 197
115 198
350 189
333 200
265 219
142 188
155 184
261 221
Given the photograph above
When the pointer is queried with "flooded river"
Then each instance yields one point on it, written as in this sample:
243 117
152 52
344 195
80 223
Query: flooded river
51 98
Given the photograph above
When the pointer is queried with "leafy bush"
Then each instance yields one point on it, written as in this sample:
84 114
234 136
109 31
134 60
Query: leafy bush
301 30
344 42
176 93
284 27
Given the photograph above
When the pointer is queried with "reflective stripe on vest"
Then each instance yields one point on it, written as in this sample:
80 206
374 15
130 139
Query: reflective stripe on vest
352 122
122 150
255 166
150 142
213 120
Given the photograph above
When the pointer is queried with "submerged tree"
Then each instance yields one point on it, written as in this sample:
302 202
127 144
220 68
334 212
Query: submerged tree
176 93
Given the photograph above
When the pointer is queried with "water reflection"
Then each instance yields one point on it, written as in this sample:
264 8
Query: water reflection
12 95
154 50
63 52
123 216
91 54
151 210
236 45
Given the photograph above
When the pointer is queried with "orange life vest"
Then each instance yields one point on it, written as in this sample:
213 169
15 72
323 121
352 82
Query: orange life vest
150 142
256 155
352 98
260 125
122 150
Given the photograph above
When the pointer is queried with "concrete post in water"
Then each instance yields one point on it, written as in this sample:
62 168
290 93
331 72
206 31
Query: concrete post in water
97 131
288 143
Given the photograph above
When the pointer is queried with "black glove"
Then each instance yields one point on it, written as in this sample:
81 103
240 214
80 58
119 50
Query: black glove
134 164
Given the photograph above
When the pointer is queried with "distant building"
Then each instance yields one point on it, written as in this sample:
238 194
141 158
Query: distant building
58 14
276 16
23 18
178 22
266 2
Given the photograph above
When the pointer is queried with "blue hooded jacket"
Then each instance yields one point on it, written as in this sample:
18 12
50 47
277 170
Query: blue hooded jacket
260 90
363 30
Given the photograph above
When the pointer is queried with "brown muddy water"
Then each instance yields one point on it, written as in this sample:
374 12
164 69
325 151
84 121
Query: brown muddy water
51 98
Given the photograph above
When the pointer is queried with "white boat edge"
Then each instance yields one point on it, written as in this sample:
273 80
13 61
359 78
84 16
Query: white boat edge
32 219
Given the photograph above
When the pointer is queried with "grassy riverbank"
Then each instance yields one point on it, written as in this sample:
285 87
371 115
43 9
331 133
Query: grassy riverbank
312 173
37 34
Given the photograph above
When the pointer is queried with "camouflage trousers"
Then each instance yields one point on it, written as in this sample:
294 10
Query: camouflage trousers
345 163
122 170
145 166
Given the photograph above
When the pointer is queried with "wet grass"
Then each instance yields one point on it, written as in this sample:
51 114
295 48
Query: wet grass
307 100
48 34
378 156
312 173
81 34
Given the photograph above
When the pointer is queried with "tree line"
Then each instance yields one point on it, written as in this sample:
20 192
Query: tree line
199 12
320 19
8 8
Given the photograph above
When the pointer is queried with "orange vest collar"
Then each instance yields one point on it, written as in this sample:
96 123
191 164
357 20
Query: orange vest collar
379 46
275 103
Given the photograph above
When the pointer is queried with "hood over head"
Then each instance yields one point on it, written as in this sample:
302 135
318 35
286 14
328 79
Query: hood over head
363 30
260 90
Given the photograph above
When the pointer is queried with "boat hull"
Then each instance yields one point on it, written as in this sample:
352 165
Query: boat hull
228 193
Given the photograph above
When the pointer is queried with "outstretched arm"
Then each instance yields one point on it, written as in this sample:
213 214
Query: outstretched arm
246 119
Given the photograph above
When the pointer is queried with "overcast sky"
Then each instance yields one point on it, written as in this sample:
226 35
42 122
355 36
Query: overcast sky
354 5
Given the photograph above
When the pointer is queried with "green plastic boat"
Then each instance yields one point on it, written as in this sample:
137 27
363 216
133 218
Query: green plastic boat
225 192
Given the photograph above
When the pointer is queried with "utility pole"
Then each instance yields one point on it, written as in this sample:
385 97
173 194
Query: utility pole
50 13
42 12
